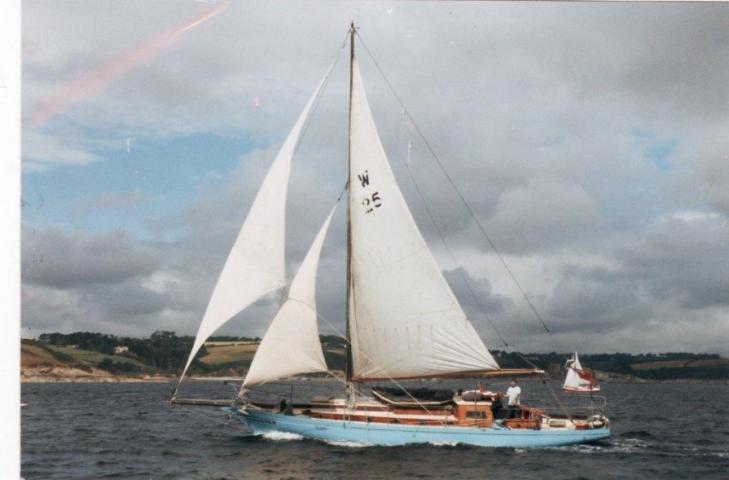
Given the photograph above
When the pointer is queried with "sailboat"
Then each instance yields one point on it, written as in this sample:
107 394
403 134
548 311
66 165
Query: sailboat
577 379
403 322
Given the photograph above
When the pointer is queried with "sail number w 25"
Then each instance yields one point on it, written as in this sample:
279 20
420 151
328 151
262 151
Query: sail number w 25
372 202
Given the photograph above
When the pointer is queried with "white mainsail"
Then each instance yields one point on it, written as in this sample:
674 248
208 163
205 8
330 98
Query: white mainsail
404 320
577 379
256 263
291 345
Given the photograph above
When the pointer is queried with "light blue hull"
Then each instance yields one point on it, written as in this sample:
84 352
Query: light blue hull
391 435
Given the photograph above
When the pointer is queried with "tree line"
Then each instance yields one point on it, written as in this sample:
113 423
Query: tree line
163 350
166 352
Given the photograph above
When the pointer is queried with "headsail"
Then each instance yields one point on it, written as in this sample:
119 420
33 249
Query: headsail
256 263
291 345
404 320
578 379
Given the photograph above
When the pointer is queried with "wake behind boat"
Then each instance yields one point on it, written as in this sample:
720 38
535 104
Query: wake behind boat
403 320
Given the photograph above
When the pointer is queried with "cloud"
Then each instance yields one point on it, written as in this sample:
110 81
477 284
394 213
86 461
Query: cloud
710 160
683 256
477 295
673 273
129 299
532 109
45 309
55 259
596 300
42 150
542 214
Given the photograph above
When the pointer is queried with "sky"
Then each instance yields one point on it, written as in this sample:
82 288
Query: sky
590 140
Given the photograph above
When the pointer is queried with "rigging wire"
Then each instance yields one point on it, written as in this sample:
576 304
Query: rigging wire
461 272
323 87
452 257
341 195
478 223
440 233
458 191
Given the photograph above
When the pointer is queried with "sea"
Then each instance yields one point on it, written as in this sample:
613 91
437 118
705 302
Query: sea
128 430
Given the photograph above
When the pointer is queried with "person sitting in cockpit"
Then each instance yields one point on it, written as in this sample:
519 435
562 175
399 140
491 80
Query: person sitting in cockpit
497 406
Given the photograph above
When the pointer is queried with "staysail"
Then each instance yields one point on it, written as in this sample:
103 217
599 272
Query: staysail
404 320
578 379
256 263
291 345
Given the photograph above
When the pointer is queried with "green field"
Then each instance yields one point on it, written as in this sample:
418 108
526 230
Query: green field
34 354
228 352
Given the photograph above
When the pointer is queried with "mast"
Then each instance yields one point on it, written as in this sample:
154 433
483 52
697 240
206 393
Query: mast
348 343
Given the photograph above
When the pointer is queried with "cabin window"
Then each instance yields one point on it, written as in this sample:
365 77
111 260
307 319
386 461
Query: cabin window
475 415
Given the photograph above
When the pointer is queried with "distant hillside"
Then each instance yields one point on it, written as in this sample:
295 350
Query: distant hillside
650 366
166 353
237 354
35 355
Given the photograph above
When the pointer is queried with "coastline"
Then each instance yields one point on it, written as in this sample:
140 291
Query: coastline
93 375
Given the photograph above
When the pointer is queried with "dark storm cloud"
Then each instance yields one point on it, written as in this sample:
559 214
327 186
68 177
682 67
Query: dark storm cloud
56 259
595 300
682 257
480 303
477 296
130 299
542 215
681 260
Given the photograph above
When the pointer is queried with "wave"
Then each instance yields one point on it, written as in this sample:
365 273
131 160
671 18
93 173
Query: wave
628 445
583 448
614 445
718 454
443 444
700 451
347 444
277 435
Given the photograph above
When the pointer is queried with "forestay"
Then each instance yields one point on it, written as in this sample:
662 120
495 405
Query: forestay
291 345
256 263
405 322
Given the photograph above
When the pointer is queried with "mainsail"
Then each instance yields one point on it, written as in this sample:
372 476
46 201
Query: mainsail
404 320
256 263
578 379
291 344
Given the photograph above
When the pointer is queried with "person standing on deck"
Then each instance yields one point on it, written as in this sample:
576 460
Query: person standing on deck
513 396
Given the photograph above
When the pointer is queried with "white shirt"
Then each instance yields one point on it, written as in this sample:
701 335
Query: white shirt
514 395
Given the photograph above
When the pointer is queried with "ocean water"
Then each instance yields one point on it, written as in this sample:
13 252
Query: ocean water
89 431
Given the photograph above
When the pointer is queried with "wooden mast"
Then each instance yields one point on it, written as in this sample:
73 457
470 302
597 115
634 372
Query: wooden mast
348 344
